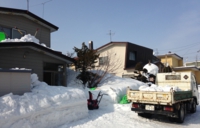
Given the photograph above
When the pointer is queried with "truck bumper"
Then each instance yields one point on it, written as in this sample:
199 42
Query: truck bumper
160 112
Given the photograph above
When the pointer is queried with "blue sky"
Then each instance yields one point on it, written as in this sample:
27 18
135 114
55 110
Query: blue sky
162 25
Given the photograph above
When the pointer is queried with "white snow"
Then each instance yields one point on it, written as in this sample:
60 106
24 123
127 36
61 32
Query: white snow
45 106
25 38
63 107
153 87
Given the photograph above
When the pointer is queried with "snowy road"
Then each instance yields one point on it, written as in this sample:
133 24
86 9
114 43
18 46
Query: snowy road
120 116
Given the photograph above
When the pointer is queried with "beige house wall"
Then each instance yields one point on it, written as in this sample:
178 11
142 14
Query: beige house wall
180 62
173 62
117 54
166 60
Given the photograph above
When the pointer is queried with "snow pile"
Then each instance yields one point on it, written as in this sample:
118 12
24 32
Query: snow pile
46 106
115 89
153 87
25 38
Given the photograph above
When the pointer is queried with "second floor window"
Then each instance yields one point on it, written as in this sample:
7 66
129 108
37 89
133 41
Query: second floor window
12 33
16 33
103 60
132 56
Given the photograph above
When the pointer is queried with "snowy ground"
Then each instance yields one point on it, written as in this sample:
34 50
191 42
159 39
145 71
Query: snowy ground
66 107
120 116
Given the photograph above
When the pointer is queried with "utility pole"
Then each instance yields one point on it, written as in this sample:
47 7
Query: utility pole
111 34
197 58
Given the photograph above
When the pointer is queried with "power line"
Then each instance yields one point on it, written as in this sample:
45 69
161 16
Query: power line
179 47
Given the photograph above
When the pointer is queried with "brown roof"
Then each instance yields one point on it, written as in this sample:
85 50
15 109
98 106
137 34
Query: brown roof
170 54
120 42
28 15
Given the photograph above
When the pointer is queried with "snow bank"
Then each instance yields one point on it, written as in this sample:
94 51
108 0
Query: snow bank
46 106
25 38
115 89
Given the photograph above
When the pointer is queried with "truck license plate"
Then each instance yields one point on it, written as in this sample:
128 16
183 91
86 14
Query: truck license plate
150 107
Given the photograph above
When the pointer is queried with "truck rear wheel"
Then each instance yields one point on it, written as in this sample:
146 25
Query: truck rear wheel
193 107
181 114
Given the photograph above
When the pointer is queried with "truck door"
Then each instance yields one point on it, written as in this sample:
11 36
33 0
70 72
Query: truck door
195 88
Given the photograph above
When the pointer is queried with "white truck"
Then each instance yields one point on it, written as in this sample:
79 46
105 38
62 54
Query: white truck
174 104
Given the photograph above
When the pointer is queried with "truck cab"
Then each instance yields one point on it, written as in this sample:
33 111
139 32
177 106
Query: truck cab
185 81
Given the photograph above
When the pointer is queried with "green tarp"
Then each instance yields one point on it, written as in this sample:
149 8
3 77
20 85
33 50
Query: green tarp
93 88
2 36
124 100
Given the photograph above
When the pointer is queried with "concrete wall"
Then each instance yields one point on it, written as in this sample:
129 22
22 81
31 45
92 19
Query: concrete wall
18 82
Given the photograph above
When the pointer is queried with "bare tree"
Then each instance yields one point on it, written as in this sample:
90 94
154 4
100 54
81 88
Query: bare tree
109 63
70 54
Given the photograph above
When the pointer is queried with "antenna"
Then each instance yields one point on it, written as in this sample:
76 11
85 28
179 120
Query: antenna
110 34
156 52
43 7
28 5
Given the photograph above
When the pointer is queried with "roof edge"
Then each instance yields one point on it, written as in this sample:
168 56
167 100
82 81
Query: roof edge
29 15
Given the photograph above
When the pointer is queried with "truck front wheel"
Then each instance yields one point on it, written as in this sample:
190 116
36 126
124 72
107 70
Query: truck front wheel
181 114
193 107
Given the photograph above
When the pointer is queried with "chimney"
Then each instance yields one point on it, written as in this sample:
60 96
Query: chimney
91 45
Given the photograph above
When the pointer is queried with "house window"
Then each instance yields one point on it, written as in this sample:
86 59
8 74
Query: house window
132 56
7 31
12 33
103 60
53 73
16 33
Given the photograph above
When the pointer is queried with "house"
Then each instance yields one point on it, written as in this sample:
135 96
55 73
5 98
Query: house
176 63
123 57
172 59
48 64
